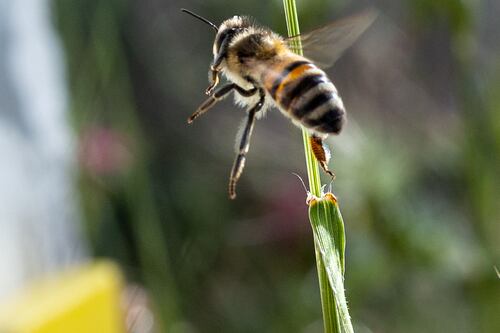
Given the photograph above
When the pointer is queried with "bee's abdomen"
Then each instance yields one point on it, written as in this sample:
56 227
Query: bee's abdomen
308 96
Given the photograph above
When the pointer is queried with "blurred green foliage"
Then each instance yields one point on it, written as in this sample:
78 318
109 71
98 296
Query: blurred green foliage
418 168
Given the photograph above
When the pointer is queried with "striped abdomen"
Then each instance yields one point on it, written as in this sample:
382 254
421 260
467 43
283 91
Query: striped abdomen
306 94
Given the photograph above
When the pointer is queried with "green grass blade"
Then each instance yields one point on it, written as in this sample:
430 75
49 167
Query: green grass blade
329 236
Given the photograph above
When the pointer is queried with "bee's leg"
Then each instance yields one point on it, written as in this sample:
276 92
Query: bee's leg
217 96
321 152
213 74
239 162
213 77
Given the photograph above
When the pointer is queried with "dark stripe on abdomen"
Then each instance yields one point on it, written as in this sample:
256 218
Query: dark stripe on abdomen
288 69
329 122
318 100
305 84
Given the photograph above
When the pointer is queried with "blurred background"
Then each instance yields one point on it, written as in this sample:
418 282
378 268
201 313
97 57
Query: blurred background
100 163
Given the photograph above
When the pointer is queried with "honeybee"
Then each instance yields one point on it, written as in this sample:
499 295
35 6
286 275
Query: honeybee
263 72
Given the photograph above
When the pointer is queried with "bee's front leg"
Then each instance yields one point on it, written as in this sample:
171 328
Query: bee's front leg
213 74
213 77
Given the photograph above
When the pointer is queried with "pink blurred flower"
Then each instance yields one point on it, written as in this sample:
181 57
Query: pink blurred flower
104 151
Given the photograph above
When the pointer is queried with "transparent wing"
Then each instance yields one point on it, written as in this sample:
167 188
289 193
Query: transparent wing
326 44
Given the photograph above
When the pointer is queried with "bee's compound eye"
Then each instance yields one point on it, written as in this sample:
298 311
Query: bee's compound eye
227 35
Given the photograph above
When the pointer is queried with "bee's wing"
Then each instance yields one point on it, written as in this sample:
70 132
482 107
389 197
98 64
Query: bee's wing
326 44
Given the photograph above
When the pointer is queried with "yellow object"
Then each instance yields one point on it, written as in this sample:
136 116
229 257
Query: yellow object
82 300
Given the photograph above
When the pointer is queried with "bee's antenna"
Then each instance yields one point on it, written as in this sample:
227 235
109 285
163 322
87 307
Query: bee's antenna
200 18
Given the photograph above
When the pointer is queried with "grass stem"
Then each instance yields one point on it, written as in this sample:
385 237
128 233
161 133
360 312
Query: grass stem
326 222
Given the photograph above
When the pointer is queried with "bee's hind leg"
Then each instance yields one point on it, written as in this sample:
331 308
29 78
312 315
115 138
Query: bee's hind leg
217 96
321 152
239 162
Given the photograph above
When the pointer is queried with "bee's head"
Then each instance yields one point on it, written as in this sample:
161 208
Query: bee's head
228 29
